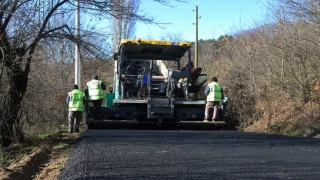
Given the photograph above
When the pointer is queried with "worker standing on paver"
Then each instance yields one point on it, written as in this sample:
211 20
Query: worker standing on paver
94 92
214 92
76 100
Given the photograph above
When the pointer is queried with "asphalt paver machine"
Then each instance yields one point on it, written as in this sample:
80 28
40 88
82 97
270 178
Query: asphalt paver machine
151 86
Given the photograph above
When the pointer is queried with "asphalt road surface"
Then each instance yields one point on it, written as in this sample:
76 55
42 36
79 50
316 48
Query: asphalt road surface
183 154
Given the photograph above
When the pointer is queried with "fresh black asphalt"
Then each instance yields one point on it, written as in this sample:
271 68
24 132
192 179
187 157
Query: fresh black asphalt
183 154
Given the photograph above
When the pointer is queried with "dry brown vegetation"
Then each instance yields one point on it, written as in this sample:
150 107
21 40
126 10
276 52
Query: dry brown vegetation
271 71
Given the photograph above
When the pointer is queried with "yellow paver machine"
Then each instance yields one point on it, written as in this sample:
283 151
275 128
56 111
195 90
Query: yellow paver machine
152 86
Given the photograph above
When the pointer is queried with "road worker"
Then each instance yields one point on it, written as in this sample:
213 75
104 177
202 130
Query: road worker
94 92
76 100
192 70
214 92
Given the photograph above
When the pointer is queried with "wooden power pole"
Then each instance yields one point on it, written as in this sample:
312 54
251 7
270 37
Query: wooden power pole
77 49
196 41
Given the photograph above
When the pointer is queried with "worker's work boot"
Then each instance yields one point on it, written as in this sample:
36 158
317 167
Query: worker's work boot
205 119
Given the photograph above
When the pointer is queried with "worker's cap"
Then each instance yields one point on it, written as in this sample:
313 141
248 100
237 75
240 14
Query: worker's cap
95 77
75 86
215 79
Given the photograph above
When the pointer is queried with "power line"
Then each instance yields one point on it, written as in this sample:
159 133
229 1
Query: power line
188 19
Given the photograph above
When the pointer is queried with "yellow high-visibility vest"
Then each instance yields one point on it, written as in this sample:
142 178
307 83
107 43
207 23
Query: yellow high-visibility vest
215 93
76 100
95 90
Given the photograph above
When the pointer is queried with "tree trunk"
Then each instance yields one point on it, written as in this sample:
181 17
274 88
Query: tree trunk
10 129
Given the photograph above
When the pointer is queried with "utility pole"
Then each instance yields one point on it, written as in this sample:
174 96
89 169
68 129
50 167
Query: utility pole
77 49
196 41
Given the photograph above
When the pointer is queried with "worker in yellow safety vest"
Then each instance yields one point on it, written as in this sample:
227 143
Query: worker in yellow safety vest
214 92
76 100
94 92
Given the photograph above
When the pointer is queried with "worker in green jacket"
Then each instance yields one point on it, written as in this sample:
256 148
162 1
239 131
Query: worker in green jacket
94 92
214 92
76 100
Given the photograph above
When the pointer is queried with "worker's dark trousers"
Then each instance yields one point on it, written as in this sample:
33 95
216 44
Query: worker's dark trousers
97 106
74 120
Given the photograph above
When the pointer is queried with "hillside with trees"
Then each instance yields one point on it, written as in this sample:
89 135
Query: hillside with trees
271 72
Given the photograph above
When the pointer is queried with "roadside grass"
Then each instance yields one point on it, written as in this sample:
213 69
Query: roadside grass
57 139
299 125
60 145
5 157
34 140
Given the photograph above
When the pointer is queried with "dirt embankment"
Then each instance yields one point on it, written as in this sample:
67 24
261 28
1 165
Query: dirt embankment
42 162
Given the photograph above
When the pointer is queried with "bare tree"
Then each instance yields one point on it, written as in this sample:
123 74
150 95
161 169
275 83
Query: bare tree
307 10
124 25
172 37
